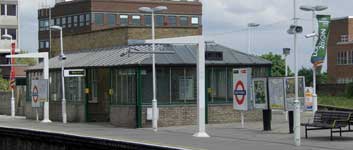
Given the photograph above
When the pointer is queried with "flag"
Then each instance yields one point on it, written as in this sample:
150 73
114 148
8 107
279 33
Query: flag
318 56
13 74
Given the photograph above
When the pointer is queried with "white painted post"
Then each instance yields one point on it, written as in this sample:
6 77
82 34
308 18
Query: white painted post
242 118
201 90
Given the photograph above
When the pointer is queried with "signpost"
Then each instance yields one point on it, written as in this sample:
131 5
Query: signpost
241 86
39 93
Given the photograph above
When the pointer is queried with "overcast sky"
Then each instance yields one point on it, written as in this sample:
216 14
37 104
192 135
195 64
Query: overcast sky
225 22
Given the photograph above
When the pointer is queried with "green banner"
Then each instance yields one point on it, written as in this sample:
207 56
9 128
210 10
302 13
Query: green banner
318 57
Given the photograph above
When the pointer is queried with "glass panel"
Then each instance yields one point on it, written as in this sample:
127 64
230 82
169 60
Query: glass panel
178 86
163 85
148 20
172 20
136 20
124 20
75 21
63 22
99 19
88 19
159 20
147 91
11 10
218 85
2 9
195 20
82 20
57 22
111 19
69 22
12 32
184 21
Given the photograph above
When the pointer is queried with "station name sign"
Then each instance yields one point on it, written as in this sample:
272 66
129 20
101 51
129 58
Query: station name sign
75 73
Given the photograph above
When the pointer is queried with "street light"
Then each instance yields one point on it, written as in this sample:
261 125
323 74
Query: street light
286 52
313 35
62 58
9 37
154 100
250 26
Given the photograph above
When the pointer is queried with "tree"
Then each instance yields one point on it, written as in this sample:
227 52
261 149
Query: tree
25 61
4 84
321 78
278 64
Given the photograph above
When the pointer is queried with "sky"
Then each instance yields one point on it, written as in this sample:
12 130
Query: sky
225 22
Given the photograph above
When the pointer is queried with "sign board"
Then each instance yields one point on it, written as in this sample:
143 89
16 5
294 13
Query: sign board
39 90
290 93
75 73
259 93
276 92
309 98
241 86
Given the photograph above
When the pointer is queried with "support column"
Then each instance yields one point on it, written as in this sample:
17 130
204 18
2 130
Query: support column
139 98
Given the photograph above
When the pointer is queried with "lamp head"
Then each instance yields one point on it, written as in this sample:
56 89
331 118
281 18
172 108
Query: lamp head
56 28
7 37
253 24
311 35
155 9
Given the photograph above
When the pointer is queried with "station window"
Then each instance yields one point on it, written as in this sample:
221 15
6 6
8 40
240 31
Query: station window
159 20
75 21
99 19
82 20
88 19
172 21
111 19
148 20
69 21
57 22
124 20
136 20
63 22
184 21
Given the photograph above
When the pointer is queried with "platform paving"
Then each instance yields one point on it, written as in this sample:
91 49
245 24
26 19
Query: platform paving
223 136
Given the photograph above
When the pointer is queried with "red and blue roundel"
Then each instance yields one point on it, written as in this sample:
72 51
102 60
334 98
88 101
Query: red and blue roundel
239 92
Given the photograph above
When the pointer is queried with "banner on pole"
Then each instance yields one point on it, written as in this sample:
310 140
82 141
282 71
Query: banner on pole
319 54
241 88
13 73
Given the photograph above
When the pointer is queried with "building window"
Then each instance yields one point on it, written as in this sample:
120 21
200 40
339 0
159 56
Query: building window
172 21
41 25
99 19
75 21
159 20
44 44
136 20
148 20
57 22
195 20
124 20
12 32
11 10
3 9
63 22
52 22
69 21
88 19
111 19
344 38
184 21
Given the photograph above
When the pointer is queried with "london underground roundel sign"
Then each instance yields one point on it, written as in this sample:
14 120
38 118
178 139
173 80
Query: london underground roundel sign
239 92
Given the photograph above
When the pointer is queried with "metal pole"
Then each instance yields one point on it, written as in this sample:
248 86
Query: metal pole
296 102
154 101
249 40
314 69
46 76
49 22
286 74
12 87
63 102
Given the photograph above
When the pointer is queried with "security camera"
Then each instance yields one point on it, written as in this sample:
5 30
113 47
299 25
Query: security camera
311 35
62 57
295 29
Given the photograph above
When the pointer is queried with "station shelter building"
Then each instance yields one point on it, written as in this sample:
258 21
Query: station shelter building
117 86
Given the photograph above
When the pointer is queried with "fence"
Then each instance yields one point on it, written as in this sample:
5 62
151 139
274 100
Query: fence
20 96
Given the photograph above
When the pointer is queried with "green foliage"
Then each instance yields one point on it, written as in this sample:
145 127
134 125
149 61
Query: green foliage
278 64
26 61
4 84
349 90
321 78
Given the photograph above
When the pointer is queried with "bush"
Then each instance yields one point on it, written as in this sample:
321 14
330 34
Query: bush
349 90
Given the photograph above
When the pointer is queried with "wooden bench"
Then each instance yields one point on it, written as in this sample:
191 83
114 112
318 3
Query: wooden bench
328 120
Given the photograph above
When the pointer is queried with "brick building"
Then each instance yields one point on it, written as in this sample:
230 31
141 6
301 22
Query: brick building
102 23
340 51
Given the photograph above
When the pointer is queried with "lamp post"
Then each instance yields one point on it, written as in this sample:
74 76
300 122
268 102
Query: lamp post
250 26
286 52
154 100
9 37
313 9
296 101
62 58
